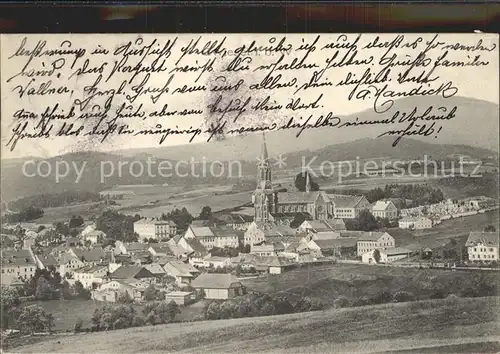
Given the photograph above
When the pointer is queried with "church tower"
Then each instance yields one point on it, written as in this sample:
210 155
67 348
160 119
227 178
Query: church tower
264 197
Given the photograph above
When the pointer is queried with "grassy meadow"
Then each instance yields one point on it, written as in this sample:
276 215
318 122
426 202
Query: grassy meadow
423 326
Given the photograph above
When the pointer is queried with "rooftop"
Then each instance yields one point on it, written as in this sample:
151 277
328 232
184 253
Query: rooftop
485 238
215 281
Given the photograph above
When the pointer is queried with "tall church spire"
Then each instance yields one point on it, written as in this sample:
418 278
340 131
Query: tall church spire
264 197
308 182
263 155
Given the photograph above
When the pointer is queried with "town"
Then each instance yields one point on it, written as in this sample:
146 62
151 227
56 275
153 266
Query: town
184 268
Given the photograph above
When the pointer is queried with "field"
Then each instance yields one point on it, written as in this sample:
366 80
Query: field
66 312
153 201
453 228
452 325
354 281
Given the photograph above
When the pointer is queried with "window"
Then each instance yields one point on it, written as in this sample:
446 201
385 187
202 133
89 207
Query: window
491 249
475 249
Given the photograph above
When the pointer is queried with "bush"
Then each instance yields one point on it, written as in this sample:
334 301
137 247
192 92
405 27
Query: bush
138 321
403 296
362 301
341 302
78 325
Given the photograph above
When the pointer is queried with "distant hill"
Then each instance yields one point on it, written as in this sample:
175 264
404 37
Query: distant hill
476 124
15 184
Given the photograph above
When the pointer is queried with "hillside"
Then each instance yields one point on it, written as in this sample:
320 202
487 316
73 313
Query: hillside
448 325
482 115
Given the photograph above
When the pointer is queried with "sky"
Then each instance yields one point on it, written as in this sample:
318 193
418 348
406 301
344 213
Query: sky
480 82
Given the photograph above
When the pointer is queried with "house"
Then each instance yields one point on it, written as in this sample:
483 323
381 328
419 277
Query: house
94 237
72 241
155 228
162 249
111 290
141 257
320 226
130 248
217 262
133 272
297 251
90 275
483 246
194 250
181 298
415 223
88 229
388 255
384 209
17 265
278 265
338 247
259 232
348 206
29 242
238 222
370 241
156 269
219 286
183 273
45 260
267 248
211 236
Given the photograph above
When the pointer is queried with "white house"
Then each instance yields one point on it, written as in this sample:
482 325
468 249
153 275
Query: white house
385 209
320 226
415 223
217 262
94 236
370 241
90 275
182 272
483 246
267 249
219 286
388 255
348 206
211 236
17 265
155 228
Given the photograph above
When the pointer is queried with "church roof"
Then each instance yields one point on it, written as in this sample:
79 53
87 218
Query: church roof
297 197
346 201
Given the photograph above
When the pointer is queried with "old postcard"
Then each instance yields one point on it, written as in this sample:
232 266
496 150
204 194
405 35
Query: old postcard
309 193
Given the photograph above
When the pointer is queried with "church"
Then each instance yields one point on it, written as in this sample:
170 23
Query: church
270 205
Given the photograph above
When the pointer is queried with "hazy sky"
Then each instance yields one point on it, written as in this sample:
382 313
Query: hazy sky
480 82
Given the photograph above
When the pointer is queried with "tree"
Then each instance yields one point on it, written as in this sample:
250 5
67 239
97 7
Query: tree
403 296
300 182
78 325
10 305
34 318
490 228
75 221
124 298
150 293
206 213
376 255
44 290
341 302
365 221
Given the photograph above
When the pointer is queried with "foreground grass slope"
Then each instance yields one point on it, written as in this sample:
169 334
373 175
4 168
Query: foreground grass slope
414 326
